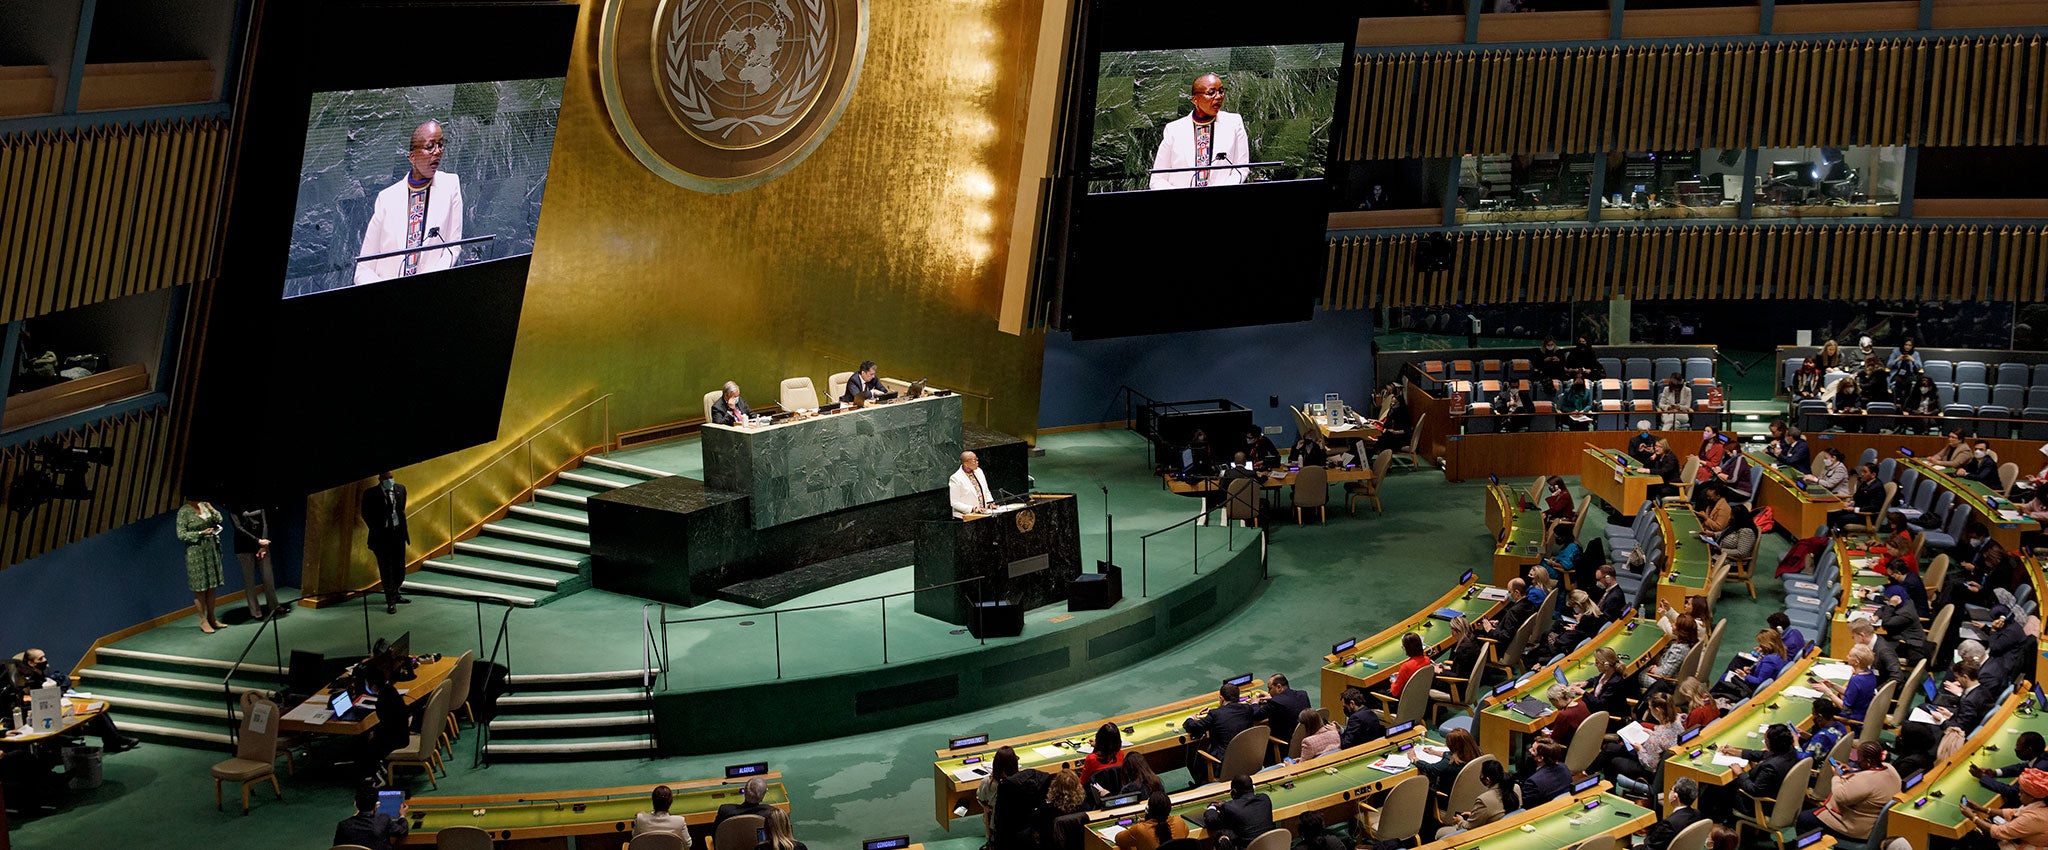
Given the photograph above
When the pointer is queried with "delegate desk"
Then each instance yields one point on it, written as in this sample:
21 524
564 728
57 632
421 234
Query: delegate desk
75 712
1332 784
1025 555
1499 722
1688 561
2005 523
1559 823
1152 732
1943 815
818 464
1345 432
598 817
1517 533
1788 700
1204 485
1796 506
1609 474
1857 560
1369 662
313 716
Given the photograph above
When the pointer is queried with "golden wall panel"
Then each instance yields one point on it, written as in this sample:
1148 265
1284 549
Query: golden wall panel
1979 90
1852 261
888 242
106 212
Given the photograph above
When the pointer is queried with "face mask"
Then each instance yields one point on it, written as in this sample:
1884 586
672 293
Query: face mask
1980 454
390 484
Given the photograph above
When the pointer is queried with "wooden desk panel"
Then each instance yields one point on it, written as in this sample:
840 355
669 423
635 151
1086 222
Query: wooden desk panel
424 680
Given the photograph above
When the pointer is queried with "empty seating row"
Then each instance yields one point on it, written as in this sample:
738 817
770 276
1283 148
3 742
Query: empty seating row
1645 368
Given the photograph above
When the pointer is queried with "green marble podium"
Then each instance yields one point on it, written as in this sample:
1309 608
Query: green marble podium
808 467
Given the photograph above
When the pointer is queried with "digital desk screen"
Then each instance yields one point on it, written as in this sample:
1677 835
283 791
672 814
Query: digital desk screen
399 182
1233 108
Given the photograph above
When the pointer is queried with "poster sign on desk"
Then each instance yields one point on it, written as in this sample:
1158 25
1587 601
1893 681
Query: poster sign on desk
45 709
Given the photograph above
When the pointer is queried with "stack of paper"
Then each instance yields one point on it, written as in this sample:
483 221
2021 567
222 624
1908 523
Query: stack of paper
1050 752
1110 832
1730 761
966 774
1634 734
1393 764
1920 715
1801 692
1834 670
1494 594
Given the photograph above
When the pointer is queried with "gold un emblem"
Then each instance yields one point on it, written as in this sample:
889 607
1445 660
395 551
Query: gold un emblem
725 95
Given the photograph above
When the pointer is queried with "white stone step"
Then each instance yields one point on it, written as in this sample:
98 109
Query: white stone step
476 547
131 726
415 584
638 718
214 713
621 466
98 674
533 535
632 677
634 745
478 571
222 665
565 497
552 699
544 515
592 481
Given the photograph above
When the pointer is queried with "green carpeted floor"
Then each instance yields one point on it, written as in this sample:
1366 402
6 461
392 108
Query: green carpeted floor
1350 576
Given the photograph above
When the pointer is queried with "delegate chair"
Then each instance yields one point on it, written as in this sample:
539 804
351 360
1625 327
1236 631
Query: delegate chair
1637 367
1597 842
1578 756
1369 488
1774 816
1740 570
2012 373
2035 427
708 399
1902 708
1399 817
458 695
1414 701
1465 790
1272 839
1462 690
1872 521
1971 372
1871 727
255 752
2010 396
1245 754
798 394
1241 501
657 841
1489 370
740 832
1700 367
2008 472
1694 837
2040 375
1412 451
1942 371
1312 492
835 383
423 749
1610 365
1664 366
464 838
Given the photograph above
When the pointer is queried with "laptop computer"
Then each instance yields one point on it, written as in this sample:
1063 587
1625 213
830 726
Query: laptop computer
347 709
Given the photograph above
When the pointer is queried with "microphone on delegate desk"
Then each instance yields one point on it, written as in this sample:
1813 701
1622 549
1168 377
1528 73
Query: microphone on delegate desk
558 803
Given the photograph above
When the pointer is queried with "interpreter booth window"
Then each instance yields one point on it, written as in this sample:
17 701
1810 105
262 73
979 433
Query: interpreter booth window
75 360
1524 188
1828 182
1391 184
1689 184
1508 6
1930 324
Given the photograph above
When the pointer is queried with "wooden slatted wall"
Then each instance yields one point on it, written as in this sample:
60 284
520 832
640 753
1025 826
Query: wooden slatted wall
140 482
1990 90
101 213
1893 261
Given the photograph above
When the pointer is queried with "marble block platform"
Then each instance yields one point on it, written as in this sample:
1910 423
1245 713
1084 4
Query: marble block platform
809 467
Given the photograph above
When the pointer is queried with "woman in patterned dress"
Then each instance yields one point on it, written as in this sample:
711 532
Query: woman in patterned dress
199 525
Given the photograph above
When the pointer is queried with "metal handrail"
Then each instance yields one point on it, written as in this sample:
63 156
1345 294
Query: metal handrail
277 646
447 495
775 617
504 639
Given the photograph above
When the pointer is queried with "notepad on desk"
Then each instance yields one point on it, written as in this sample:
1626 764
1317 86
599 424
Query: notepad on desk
1832 670
967 774
1050 752
1634 734
1393 763
1110 832
1730 761
311 713
1801 692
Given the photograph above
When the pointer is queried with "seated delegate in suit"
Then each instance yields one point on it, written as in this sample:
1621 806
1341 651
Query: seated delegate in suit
1768 766
660 820
1361 722
369 827
1684 793
863 384
1219 723
1261 448
1282 707
1245 816
967 488
730 409
750 803
35 672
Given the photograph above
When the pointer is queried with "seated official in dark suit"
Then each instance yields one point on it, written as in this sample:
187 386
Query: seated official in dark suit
1261 448
1683 794
864 383
750 803
369 827
1361 722
1282 708
1308 451
1220 724
1767 767
730 409
1245 816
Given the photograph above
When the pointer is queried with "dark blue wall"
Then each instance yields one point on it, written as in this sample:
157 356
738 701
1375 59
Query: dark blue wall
65 600
1297 362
